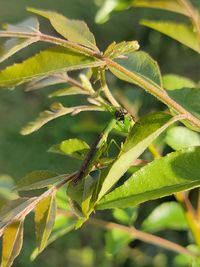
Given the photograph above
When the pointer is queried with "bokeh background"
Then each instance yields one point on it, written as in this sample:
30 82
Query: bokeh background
22 154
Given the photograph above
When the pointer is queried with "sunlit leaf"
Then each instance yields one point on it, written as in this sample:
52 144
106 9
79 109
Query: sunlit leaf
115 50
69 91
169 5
57 110
13 209
103 13
45 213
173 82
143 133
142 65
39 179
12 243
74 30
65 226
178 171
169 215
181 137
53 60
178 31
73 147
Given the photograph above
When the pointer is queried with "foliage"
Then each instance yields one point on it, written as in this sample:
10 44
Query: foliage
103 181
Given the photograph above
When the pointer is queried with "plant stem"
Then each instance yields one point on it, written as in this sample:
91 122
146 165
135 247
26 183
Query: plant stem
156 91
105 89
146 237
154 151
190 215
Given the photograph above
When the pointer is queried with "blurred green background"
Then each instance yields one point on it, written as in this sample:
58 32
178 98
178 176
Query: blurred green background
22 154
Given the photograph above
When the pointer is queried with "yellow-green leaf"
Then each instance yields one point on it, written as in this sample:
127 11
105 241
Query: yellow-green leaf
141 64
173 82
73 30
54 60
143 133
72 147
12 243
39 179
115 50
43 82
181 32
69 91
45 213
178 171
13 45
56 111
12 210
170 5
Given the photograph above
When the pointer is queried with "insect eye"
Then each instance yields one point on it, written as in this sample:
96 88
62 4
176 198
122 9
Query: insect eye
120 114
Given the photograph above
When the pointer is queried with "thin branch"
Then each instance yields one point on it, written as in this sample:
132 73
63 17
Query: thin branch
105 89
154 151
36 200
190 214
156 91
159 93
146 237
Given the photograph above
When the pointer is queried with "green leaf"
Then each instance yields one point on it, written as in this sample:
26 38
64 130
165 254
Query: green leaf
73 147
12 210
179 31
6 186
45 213
125 216
142 65
89 186
62 227
13 45
169 215
169 5
115 50
53 60
181 137
28 25
69 91
12 243
57 110
116 240
76 31
173 82
103 13
39 179
43 82
189 98
143 133
175 172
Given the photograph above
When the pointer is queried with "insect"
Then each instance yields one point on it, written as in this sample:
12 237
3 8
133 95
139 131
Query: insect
121 118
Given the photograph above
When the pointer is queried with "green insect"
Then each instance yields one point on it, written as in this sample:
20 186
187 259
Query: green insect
122 121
